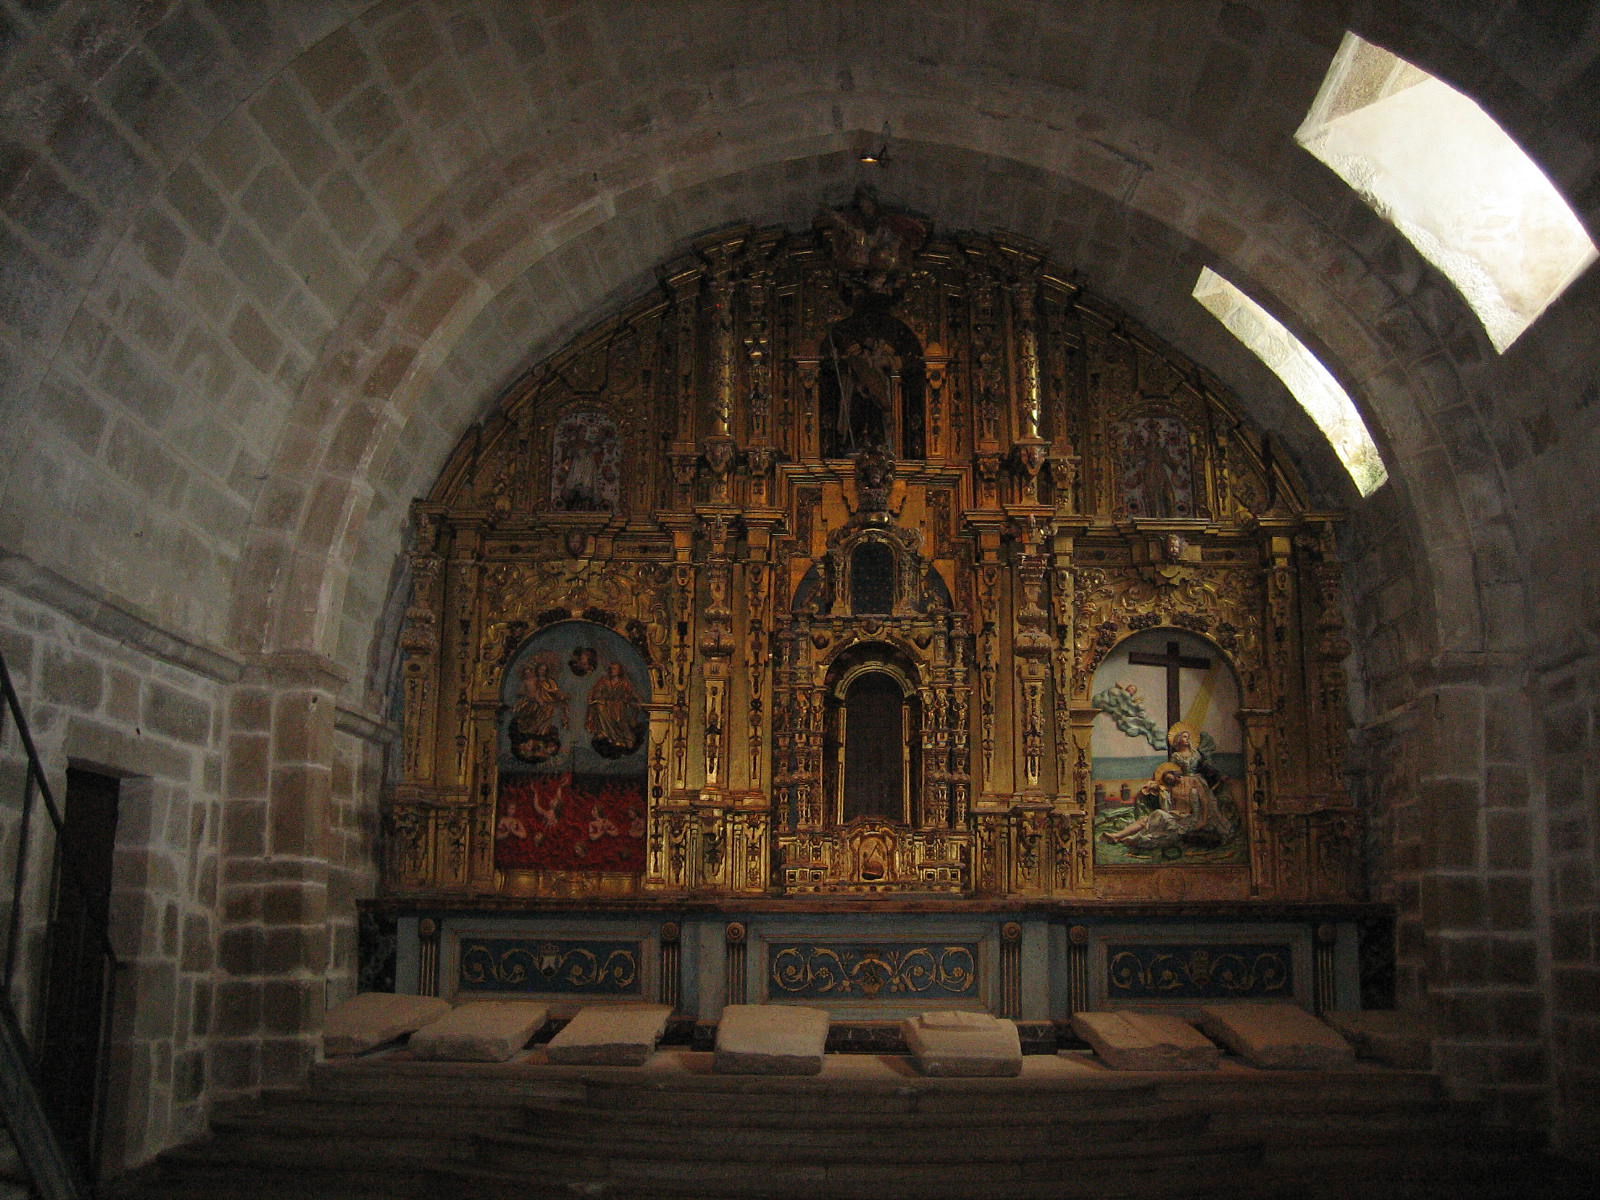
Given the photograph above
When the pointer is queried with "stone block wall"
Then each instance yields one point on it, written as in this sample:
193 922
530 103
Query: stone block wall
1454 793
247 825
1567 734
101 703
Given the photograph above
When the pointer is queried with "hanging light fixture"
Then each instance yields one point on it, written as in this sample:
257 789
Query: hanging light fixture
880 156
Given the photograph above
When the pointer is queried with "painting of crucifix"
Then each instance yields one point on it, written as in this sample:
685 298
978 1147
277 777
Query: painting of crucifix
1168 754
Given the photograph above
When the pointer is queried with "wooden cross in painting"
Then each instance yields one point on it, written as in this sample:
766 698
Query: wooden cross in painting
1174 662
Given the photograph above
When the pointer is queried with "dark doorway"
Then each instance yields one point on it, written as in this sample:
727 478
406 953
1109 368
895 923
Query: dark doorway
874 748
75 988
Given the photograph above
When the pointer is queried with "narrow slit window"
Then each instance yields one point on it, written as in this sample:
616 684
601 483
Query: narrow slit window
1318 392
1437 167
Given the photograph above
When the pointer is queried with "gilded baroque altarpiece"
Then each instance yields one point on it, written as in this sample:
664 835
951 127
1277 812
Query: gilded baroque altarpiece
861 561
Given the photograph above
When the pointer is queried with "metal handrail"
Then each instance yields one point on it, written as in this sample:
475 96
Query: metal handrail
51 1168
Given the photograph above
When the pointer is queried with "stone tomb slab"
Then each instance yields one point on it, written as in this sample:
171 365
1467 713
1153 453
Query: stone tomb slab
770 1039
1277 1037
1395 1039
369 1020
1133 1041
610 1035
963 1043
480 1031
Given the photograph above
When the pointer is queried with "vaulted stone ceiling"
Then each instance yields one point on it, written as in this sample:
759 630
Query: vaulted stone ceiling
265 262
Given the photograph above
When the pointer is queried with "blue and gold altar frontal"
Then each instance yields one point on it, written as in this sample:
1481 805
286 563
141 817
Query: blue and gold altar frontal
870 964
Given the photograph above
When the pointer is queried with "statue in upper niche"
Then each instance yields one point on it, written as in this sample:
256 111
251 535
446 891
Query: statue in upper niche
872 248
866 372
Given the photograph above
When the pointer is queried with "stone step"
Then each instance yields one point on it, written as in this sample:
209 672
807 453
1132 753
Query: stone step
225 1180
481 1183
802 1094
878 1143
1494 1177
847 1117
1296 1091
1351 1128
425 1082
313 1153
1175 1167
367 1122
1455 1159
401 1130
980 1159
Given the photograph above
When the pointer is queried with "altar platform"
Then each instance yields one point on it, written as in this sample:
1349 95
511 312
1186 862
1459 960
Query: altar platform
384 1126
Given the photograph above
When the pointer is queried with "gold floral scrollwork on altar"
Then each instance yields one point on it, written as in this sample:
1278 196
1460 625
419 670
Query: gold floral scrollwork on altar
809 970
1199 972
871 560
502 965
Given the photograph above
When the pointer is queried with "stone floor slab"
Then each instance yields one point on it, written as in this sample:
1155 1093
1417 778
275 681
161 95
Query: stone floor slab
1131 1041
771 1039
479 1031
1395 1039
373 1018
613 1035
1277 1036
963 1043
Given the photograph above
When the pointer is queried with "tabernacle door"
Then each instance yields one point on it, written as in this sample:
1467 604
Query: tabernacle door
873 735
875 746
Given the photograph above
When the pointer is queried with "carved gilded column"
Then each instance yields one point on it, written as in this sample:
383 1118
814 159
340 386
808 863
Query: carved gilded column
719 450
938 421
757 579
419 641
684 579
682 453
1031 451
716 652
1032 646
988 656
958 706
810 803
758 357
1072 768
988 365
806 372
749 856
1264 867
1282 644
1023 300
934 810
1332 648
785 731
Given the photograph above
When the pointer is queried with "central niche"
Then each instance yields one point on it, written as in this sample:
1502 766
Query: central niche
873 381
873 735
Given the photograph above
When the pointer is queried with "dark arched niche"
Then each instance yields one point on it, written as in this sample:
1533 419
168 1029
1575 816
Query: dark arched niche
874 722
